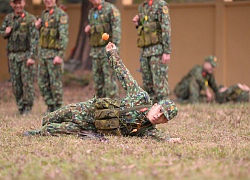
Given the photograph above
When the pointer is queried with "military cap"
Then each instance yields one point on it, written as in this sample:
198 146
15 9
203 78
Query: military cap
212 60
169 109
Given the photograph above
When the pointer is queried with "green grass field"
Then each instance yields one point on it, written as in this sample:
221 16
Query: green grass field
215 145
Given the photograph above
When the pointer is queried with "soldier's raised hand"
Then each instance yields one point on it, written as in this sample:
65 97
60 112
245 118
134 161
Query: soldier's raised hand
38 23
110 46
8 30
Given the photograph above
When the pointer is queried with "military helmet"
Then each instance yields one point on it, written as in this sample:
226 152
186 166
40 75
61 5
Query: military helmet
169 109
212 60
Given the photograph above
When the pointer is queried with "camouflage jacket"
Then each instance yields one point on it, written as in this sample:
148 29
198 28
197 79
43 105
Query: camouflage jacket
234 94
22 27
132 123
202 78
59 19
158 12
107 14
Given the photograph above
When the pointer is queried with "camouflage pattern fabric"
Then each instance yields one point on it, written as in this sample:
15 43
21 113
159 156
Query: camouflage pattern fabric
50 75
22 76
79 117
190 87
104 76
154 72
233 94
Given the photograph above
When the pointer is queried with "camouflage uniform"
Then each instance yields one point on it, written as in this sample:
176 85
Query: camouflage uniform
53 42
22 43
154 39
105 19
190 87
79 117
234 94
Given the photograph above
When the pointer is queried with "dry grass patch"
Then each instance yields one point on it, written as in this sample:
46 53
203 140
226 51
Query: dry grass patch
216 145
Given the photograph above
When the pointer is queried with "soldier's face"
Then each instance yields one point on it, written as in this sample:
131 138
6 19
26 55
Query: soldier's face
208 67
155 115
49 3
18 6
95 3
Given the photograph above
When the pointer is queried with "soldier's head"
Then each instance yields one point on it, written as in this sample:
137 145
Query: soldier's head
162 112
49 3
95 3
210 64
17 5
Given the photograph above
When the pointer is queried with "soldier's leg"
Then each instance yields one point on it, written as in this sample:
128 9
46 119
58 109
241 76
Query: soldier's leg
147 78
55 78
194 91
27 74
15 73
159 73
60 128
98 77
44 83
110 87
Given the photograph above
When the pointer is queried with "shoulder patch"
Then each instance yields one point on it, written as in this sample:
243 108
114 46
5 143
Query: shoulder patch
165 9
116 12
63 19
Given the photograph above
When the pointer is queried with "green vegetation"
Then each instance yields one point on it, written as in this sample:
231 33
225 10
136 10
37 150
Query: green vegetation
215 145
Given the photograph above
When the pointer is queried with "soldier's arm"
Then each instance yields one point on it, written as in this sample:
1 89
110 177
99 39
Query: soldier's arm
5 24
212 84
33 35
197 73
157 135
63 34
164 19
116 25
123 74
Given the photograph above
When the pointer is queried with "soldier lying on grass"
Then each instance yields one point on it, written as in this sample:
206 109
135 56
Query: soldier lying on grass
235 93
133 115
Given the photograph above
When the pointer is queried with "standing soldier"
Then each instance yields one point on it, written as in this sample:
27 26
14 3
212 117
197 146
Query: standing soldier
199 78
19 28
53 26
153 24
103 18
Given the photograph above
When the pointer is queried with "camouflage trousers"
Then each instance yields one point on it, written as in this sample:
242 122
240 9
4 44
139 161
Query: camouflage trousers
50 82
189 91
155 77
22 78
69 119
104 78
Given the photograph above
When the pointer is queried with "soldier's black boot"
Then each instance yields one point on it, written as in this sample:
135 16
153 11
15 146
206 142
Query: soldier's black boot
57 106
50 108
26 110
20 111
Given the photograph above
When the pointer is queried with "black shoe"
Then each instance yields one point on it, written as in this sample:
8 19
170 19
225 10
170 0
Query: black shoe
50 108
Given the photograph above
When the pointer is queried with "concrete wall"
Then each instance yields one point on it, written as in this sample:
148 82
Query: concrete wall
198 30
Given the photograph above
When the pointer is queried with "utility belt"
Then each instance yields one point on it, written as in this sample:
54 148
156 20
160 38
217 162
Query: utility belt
18 42
96 33
49 38
107 116
149 34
